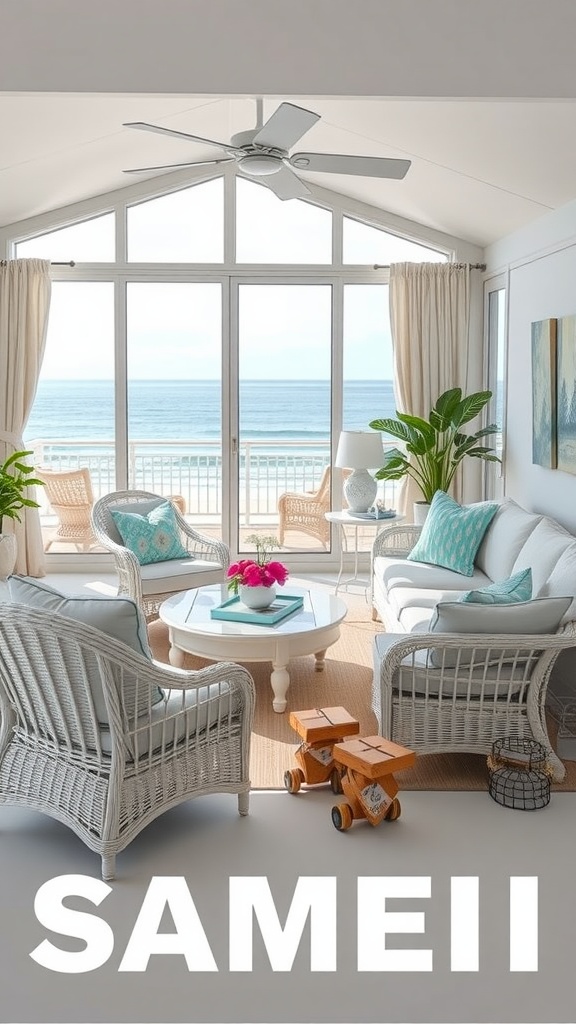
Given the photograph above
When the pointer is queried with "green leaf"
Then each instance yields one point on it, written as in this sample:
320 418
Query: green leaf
394 427
447 403
470 407
493 428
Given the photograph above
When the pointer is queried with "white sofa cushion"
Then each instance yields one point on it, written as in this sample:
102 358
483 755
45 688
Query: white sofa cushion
402 598
504 539
562 580
399 572
541 552
540 616
415 619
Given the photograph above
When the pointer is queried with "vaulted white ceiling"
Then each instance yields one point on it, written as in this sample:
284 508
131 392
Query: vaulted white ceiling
480 169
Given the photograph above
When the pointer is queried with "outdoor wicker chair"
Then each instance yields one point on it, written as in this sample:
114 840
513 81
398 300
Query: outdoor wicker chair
305 511
70 495
87 737
150 585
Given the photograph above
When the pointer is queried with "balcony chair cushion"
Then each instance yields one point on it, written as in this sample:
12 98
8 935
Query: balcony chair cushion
453 533
117 617
542 615
152 536
511 591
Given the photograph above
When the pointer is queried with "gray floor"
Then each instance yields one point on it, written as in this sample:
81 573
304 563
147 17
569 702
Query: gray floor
205 842
439 835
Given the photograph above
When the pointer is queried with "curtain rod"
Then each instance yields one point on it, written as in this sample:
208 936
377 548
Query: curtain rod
67 263
471 266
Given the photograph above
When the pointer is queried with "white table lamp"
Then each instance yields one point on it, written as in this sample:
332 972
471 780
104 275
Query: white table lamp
360 451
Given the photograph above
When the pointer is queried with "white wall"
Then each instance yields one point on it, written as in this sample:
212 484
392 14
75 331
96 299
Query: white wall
541 263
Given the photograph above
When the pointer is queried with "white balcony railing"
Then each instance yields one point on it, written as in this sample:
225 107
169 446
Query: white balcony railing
193 468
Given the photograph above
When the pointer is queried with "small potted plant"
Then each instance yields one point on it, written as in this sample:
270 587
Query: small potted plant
14 481
254 580
434 448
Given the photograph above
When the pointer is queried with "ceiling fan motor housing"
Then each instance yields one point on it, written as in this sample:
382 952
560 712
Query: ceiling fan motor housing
258 160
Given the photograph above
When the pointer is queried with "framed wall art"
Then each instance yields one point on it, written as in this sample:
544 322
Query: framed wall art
544 440
566 394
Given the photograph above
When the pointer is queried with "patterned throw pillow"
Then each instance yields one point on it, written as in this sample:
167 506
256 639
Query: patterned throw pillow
453 533
154 537
517 588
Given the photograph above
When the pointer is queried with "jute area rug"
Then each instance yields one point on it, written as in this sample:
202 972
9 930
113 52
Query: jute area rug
346 680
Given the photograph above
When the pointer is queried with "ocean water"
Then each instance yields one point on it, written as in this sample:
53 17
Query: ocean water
167 410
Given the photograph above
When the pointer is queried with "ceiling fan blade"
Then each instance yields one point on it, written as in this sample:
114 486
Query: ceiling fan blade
336 163
286 125
174 167
286 185
143 126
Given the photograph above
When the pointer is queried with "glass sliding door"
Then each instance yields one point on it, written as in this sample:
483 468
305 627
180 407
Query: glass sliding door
174 388
282 447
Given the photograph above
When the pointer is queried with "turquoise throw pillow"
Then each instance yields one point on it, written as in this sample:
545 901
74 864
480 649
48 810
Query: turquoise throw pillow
517 588
453 533
154 537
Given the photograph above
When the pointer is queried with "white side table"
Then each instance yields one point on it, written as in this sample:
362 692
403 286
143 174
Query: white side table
344 519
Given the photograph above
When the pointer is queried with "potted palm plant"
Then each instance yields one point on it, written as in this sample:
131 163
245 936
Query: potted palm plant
15 479
434 448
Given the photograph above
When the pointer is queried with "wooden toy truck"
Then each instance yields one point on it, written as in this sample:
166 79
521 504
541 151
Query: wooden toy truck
367 781
320 729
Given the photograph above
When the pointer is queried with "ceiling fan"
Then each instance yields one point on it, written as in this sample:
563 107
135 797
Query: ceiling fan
262 152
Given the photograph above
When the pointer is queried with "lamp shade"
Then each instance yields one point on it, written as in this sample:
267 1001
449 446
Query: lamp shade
359 449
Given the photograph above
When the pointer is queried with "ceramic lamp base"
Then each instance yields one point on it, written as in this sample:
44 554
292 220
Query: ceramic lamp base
360 490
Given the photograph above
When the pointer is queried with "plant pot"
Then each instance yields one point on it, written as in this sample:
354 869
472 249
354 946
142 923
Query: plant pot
8 553
421 509
257 597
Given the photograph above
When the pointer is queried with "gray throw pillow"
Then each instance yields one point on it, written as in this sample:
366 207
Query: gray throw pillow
117 617
542 615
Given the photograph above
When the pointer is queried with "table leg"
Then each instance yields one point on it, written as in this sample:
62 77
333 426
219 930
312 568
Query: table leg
279 681
320 656
343 548
176 656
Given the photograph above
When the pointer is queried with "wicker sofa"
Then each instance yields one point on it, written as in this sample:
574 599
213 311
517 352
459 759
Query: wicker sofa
441 687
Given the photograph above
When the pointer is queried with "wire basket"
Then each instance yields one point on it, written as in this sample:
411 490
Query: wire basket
519 774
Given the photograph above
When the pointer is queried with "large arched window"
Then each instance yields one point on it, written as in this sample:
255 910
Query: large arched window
211 342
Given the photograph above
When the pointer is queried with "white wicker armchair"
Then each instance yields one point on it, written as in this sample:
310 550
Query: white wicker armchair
87 737
150 585
473 689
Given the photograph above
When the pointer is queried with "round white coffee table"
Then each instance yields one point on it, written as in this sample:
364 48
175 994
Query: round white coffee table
310 630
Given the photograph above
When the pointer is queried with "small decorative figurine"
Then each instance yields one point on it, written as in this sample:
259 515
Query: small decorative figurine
320 729
367 781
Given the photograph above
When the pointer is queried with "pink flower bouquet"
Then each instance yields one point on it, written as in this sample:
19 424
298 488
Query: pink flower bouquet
258 572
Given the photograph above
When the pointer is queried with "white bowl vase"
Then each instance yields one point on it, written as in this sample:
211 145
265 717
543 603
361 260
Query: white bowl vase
257 597
8 553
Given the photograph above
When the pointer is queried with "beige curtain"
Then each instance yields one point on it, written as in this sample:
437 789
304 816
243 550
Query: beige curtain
435 315
24 303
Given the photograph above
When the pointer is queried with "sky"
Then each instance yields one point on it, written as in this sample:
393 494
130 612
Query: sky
174 330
